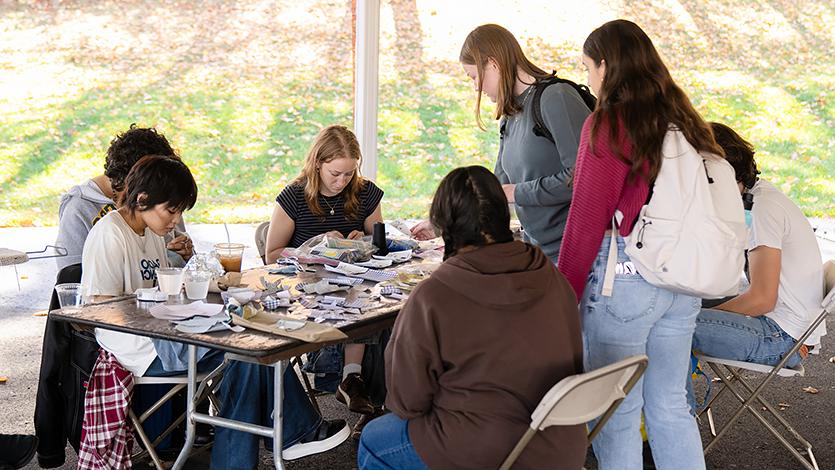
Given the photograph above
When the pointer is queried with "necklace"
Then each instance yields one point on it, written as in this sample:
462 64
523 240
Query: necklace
328 203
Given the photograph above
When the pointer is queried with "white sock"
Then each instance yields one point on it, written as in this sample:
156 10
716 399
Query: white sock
352 368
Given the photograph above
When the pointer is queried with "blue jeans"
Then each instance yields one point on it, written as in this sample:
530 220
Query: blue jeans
246 394
385 445
642 319
729 335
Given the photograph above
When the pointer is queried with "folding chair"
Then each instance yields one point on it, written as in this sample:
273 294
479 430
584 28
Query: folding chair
261 240
578 399
731 377
261 245
205 391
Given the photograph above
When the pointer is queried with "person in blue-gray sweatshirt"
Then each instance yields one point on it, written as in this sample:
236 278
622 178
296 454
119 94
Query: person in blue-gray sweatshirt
534 169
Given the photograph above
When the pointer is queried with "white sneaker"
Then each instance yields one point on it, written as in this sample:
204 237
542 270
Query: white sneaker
328 435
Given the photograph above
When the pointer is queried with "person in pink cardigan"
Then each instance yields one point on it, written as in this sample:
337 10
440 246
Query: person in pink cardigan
618 157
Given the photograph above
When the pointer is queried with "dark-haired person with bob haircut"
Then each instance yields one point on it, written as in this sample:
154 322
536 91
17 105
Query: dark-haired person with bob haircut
87 203
533 170
477 345
619 155
124 249
763 323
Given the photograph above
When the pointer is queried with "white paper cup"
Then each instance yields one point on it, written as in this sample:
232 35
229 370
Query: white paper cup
170 280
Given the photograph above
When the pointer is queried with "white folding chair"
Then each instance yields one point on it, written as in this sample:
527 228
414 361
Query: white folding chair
261 240
728 370
578 399
205 391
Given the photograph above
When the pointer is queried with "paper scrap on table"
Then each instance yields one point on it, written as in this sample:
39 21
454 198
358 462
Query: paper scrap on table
343 280
183 311
377 263
207 324
321 287
151 294
378 275
346 269
396 256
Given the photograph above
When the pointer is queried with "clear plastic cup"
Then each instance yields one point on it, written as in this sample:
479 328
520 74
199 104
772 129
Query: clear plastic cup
197 286
170 280
69 294
230 256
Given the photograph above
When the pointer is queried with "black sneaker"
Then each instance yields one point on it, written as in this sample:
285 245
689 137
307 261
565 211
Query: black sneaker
328 435
352 393
16 450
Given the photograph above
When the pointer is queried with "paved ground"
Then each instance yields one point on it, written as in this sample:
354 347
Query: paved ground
747 447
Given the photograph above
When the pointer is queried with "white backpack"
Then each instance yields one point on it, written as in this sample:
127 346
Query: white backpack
691 235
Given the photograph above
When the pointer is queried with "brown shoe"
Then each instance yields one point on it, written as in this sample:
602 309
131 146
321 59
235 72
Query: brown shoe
352 393
356 431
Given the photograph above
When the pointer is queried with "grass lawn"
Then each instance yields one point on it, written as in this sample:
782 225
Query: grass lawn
242 97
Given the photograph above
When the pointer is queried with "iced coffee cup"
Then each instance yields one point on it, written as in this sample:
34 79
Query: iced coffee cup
230 256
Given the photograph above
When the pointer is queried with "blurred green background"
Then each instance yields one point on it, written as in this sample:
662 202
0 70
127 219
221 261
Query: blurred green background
241 88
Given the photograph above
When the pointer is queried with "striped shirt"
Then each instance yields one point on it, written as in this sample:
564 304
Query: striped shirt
309 225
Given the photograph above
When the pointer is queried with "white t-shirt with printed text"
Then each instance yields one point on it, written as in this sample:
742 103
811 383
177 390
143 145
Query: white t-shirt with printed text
116 261
779 223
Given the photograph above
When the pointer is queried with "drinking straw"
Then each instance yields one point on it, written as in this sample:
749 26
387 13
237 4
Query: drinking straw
228 238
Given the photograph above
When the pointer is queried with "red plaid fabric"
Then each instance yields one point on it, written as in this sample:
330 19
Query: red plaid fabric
106 437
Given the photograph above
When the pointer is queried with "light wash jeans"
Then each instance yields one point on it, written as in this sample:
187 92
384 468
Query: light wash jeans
729 335
642 319
385 444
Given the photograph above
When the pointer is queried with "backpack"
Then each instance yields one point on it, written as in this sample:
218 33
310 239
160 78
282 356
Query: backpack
539 128
691 235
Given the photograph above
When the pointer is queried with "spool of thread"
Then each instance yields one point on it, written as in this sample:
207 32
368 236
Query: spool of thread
378 238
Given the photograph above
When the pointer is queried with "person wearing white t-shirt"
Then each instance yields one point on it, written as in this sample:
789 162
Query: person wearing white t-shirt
122 253
763 324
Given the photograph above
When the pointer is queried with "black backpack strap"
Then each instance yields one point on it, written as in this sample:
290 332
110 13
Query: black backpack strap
539 128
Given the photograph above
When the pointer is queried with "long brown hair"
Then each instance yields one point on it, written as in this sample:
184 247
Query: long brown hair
638 88
331 143
491 41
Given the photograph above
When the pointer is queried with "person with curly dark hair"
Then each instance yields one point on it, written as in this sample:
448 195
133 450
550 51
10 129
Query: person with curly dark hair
85 204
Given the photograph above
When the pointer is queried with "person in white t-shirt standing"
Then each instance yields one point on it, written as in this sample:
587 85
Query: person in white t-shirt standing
763 324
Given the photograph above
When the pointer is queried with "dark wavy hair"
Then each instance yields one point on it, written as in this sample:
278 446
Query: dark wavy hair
161 179
637 88
127 148
738 152
470 209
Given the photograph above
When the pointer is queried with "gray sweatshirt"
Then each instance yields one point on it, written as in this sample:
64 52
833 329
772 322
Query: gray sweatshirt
540 169
81 207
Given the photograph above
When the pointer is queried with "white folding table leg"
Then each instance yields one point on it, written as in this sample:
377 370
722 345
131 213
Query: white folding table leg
190 407
278 413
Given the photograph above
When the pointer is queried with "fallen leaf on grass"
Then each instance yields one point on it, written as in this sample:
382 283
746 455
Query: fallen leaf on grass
811 390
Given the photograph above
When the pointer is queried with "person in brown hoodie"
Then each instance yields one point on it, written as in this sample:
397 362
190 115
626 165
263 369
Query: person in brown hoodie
477 345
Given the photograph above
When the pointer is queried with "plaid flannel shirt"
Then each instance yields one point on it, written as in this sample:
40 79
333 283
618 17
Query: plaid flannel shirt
106 436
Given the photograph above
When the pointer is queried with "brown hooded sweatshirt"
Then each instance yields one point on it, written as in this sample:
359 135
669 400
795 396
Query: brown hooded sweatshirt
475 348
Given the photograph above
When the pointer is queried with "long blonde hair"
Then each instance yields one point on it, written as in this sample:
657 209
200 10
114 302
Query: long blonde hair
331 143
491 41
